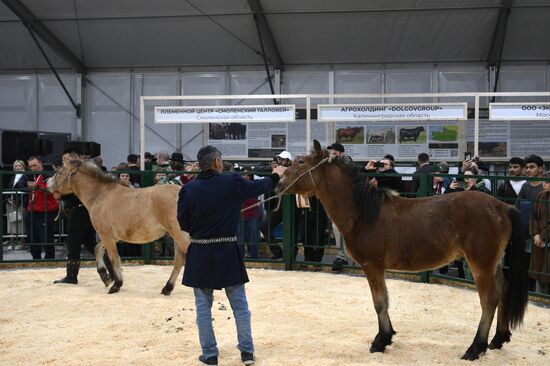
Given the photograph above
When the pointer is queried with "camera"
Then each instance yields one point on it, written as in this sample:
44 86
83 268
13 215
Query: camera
378 164
462 185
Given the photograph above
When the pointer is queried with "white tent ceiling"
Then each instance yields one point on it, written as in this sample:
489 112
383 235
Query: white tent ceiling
130 34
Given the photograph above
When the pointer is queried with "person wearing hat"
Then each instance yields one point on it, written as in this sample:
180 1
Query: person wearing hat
275 217
80 231
284 158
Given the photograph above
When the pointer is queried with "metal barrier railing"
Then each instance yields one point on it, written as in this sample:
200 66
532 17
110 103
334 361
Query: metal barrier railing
302 238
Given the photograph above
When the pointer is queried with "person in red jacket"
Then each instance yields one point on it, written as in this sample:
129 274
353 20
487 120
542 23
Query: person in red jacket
41 212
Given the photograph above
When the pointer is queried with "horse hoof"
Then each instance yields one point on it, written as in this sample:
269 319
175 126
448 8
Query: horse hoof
107 280
470 356
167 290
499 339
377 348
114 289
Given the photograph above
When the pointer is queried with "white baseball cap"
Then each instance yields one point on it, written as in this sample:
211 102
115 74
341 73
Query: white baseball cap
285 155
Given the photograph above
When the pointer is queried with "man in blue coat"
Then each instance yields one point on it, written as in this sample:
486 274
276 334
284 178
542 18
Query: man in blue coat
209 210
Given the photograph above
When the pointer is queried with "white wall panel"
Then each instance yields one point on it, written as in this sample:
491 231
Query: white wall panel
463 81
107 122
253 82
409 81
18 102
158 137
522 80
200 83
304 82
357 82
55 111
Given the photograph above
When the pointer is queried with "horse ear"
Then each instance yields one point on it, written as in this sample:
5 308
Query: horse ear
317 147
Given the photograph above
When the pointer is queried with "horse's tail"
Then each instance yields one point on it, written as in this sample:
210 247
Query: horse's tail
517 292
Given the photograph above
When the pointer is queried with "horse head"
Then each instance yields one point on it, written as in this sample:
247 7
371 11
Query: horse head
60 182
305 170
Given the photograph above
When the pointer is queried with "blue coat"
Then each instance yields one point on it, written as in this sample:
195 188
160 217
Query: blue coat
209 207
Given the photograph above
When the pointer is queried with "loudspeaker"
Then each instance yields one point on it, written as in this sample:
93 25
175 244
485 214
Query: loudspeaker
9 145
90 148
26 147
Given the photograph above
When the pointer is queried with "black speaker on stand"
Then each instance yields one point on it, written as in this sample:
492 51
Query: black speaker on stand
90 148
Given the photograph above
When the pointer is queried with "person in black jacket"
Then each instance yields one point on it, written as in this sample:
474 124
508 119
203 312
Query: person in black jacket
424 168
209 209
384 166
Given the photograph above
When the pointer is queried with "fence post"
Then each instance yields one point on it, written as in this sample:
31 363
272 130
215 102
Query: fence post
288 232
147 253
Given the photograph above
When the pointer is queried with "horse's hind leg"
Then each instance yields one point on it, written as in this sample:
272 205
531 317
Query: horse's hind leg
489 298
179 259
115 262
503 333
379 292
102 268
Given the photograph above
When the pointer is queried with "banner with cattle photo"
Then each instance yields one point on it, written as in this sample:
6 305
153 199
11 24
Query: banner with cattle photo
404 140
264 140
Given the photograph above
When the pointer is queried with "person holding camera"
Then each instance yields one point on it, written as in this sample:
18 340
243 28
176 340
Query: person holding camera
468 184
384 166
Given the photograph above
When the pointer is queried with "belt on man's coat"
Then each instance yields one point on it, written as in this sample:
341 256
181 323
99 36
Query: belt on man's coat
227 239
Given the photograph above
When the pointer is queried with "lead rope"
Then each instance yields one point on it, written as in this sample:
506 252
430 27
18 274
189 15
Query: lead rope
68 178
280 195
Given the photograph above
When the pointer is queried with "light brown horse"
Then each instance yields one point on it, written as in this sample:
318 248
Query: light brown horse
385 232
119 213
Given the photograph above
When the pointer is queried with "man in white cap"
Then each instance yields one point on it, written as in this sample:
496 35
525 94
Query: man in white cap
275 217
284 158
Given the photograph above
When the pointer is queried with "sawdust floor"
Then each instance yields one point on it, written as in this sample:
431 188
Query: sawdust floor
298 318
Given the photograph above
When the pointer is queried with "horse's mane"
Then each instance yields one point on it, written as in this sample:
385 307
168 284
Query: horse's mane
93 171
368 199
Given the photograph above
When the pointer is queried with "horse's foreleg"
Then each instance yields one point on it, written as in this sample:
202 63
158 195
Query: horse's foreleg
503 333
179 259
379 292
115 262
101 264
489 298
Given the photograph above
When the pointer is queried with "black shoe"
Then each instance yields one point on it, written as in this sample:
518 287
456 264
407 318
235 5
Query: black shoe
209 361
73 266
247 358
67 279
276 256
338 264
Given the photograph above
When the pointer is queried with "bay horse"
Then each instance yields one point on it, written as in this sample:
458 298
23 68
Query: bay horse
122 213
383 232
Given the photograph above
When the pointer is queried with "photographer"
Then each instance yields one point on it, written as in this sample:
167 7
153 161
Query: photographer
468 184
384 166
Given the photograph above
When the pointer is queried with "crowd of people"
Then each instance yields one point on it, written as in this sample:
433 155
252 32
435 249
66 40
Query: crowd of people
34 209
226 215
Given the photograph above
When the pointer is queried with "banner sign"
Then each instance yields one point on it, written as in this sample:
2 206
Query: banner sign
234 113
392 112
519 111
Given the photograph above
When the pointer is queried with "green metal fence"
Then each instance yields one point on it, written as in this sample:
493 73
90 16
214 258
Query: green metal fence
291 238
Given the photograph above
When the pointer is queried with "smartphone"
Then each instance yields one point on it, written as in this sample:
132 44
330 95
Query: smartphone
462 185
378 164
